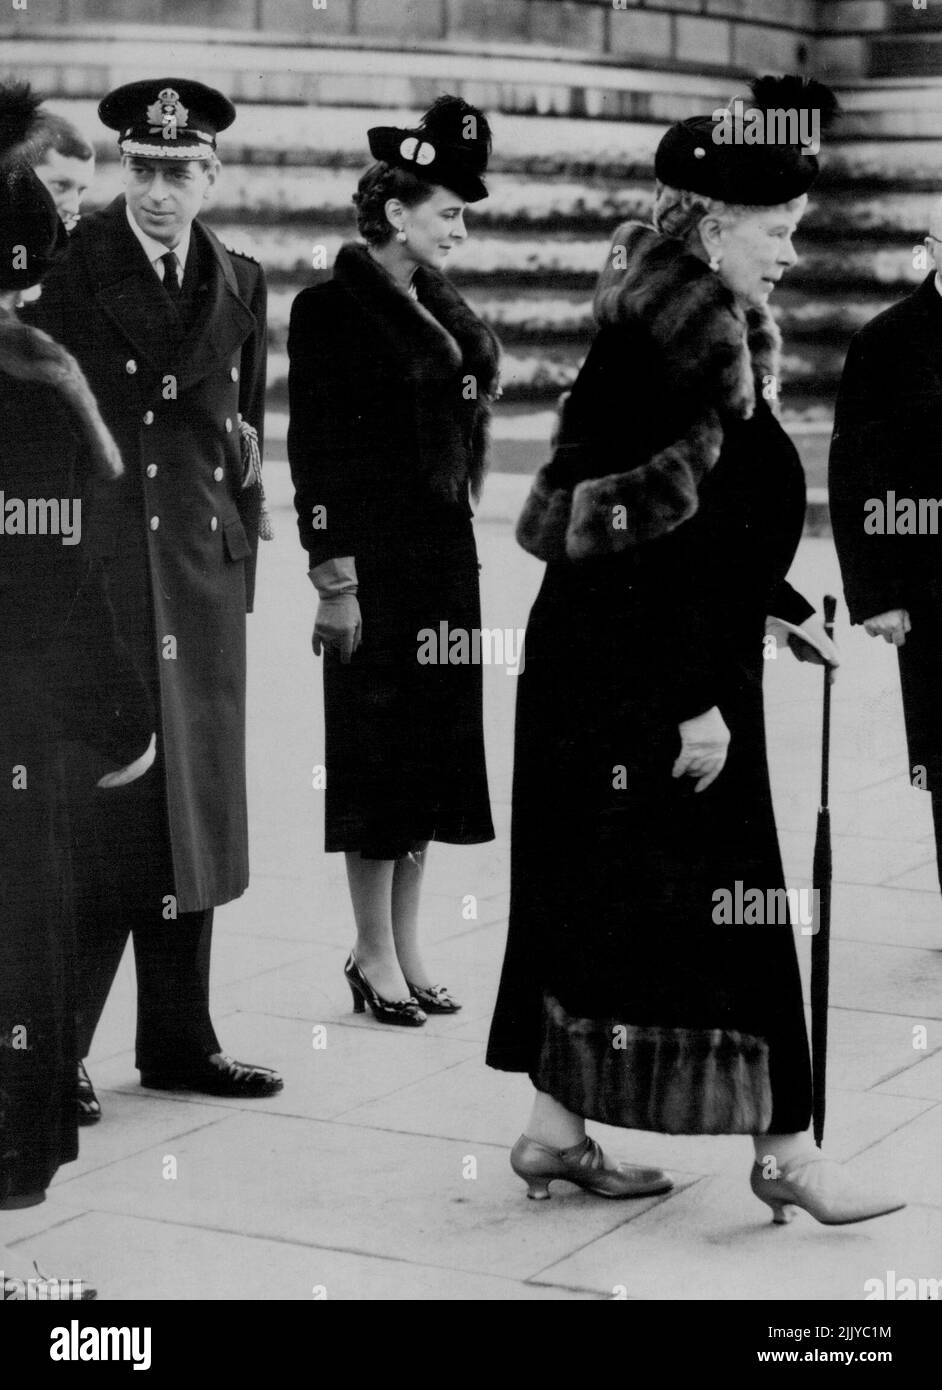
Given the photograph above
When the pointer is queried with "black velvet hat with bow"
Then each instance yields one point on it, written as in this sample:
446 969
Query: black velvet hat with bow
751 153
450 147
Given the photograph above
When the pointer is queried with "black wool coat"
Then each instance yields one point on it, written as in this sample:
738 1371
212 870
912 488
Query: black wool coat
887 427
179 533
648 616
389 400
62 674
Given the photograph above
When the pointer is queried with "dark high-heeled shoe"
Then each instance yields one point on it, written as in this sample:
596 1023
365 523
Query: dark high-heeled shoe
434 999
405 1012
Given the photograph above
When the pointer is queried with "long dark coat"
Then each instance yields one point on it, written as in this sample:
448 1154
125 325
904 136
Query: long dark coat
178 532
887 427
389 405
621 994
61 674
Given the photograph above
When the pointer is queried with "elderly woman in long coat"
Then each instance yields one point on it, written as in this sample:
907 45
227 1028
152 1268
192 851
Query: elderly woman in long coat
669 517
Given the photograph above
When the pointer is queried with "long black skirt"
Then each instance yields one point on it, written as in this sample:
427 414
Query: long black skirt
622 994
404 736
38 1128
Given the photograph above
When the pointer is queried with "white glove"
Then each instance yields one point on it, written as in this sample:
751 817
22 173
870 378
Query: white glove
704 742
808 640
134 770
892 626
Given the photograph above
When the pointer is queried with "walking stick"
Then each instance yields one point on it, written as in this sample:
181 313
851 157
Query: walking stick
821 882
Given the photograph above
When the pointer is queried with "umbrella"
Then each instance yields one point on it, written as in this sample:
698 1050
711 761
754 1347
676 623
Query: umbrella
821 882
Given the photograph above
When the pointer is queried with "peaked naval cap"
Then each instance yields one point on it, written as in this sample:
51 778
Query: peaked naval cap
167 118
449 148
710 156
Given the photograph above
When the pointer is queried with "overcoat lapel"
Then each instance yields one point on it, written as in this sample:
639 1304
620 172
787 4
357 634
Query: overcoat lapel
223 320
127 290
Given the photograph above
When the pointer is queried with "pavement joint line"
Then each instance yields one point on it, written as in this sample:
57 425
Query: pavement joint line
658 1202
521 1280
63 1221
135 1153
901 1071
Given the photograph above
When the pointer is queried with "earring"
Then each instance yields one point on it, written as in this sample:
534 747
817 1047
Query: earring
714 263
400 235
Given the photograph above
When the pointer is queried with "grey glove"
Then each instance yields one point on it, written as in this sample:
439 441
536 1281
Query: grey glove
338 624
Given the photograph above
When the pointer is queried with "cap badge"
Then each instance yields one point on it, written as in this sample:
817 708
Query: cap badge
167 114
417 151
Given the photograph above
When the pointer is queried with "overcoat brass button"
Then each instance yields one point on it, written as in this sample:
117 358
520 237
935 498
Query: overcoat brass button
152 470
154 522
228 426
218 474
148 417
214 524
233 374
130 366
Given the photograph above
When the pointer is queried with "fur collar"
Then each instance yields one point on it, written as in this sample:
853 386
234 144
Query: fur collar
435 340
717 358
29 354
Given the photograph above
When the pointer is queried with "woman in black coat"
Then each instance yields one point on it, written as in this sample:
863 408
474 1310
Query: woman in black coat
390 382
669 517
62 674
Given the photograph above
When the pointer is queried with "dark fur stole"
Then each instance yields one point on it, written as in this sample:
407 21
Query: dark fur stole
437 341
29 354
714 353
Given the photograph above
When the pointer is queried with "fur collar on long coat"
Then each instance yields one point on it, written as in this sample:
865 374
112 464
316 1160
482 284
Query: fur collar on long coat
28 354
713 353
449 357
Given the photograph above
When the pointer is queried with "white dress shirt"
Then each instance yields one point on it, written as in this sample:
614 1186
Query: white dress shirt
153 250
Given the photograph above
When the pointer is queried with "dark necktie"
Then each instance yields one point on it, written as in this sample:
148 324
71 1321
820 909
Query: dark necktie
171 278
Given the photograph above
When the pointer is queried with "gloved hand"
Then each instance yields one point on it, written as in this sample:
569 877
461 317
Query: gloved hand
891 626
808 640
704 741
338 624
124 775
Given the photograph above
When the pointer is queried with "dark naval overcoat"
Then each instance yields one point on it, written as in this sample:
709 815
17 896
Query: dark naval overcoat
178 532
885 496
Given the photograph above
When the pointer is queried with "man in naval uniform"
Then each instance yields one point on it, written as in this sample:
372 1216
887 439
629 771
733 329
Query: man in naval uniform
169 326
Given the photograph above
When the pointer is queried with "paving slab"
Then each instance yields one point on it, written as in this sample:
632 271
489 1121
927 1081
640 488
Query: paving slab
130 1258
715 1240
357 1190
328 1066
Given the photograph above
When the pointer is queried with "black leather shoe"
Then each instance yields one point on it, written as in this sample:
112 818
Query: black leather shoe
89 1110
217 1075
435 999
